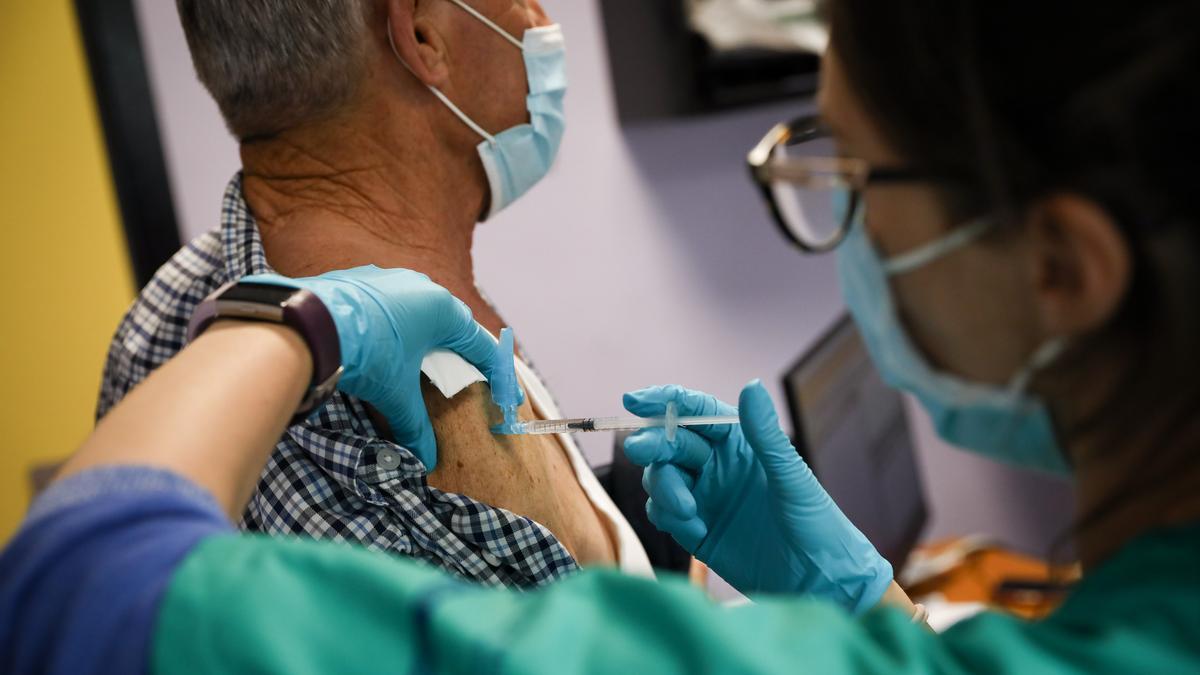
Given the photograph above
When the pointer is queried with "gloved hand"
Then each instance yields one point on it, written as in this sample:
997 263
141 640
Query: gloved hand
742 501
387 321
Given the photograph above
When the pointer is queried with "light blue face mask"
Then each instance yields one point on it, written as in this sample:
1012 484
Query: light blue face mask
1004 424
517 158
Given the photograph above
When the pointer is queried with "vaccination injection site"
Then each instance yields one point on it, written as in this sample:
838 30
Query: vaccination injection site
842 337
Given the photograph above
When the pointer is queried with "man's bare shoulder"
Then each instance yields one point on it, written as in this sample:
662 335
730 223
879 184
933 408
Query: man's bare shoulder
528 475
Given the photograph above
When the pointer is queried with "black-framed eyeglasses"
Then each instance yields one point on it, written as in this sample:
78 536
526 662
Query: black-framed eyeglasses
813 193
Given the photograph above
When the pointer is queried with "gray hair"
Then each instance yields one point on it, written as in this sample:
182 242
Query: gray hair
274 64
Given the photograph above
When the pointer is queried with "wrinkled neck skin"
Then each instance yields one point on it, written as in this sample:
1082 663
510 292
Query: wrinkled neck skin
339 194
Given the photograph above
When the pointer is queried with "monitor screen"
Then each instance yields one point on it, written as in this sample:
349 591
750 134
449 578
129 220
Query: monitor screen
852 430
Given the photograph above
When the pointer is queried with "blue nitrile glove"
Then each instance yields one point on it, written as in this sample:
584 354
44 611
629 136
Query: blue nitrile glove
387 321
742 501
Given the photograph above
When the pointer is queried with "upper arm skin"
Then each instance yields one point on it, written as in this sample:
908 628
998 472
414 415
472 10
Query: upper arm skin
528 475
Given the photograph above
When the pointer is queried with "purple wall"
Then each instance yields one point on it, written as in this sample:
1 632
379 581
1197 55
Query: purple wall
646 257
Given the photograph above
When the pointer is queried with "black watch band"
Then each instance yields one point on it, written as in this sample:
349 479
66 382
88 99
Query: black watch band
296 308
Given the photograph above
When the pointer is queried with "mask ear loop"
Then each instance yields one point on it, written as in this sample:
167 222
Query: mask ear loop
926 254
1045 355
489 23
438 93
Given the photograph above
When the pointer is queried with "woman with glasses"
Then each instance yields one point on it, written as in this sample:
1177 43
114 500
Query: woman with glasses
1009 191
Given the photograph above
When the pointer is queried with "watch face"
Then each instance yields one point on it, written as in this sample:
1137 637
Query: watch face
262 294
262 302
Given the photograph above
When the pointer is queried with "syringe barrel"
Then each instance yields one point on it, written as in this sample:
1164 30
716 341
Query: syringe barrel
701 420
537 427
586 424
625 423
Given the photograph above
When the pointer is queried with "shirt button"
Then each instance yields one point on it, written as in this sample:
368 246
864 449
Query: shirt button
489 558
389 459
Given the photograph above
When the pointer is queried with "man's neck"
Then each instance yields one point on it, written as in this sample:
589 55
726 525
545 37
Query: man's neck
333 198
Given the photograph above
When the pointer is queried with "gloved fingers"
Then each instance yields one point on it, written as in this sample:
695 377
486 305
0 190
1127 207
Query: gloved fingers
652 402
374 275
463 335
689 532
670 488
650 446
411 426
689 479
774 449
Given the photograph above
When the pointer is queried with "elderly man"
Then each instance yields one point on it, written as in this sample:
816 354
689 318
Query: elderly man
379 132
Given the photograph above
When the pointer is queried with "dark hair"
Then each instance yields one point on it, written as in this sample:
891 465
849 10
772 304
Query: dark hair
1100 99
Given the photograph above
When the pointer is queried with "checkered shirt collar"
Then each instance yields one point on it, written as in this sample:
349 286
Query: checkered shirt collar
242 244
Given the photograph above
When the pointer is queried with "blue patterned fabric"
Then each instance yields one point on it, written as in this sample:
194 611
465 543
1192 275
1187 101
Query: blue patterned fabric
324 480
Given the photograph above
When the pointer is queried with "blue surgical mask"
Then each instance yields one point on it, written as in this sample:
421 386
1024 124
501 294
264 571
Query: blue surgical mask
1002 423
517 158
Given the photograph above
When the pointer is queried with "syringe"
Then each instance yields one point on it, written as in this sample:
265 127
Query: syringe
507 395
670 422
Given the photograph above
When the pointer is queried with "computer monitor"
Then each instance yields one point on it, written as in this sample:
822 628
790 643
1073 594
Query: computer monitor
852 430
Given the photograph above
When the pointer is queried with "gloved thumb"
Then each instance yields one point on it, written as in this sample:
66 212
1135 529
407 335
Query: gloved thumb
412 429
760 425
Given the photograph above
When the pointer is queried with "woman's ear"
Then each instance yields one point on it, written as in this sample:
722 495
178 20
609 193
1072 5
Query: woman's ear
1082 265
416 41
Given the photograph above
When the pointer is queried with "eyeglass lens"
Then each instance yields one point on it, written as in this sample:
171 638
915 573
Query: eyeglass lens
807 207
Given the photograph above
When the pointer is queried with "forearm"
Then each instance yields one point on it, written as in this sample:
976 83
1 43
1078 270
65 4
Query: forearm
212 414
895 596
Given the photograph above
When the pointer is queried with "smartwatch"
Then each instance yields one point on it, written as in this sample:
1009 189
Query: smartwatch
296 308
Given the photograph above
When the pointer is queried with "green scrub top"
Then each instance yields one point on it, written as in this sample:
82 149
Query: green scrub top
248 604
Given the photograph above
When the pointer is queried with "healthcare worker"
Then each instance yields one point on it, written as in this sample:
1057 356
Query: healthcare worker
1016 232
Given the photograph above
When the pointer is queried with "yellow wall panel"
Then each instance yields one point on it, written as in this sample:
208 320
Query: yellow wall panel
64 274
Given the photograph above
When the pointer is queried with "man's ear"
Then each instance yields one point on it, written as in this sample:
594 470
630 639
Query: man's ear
537 15
416 41
1082 265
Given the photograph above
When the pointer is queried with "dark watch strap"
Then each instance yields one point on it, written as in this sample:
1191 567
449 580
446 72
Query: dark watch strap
296 308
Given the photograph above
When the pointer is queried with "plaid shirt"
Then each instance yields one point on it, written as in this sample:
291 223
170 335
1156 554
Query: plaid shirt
331 477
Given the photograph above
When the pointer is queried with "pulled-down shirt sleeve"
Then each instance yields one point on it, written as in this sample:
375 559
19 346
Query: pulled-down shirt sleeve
82 580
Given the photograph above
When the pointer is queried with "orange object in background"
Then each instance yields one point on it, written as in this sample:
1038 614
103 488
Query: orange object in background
973 569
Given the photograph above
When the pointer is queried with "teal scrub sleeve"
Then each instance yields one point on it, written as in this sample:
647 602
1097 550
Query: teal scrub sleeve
256 605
